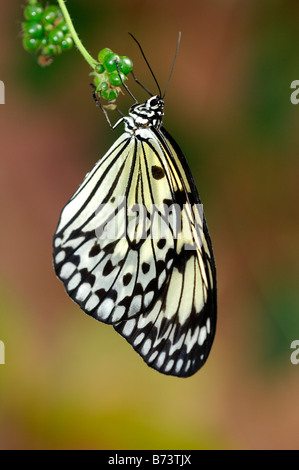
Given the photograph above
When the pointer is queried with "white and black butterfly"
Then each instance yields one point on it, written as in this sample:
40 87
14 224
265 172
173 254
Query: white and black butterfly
133 249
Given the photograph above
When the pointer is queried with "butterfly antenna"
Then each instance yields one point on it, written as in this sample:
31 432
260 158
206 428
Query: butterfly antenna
143 55
174 61
124 85
141 84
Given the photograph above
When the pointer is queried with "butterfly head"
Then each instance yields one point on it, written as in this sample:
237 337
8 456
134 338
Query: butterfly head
148 114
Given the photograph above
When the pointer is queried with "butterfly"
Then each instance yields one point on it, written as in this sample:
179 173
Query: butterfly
133 250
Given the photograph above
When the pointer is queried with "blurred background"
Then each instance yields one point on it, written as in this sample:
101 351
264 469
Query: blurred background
70 382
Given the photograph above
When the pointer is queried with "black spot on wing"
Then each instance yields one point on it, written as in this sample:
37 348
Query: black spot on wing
157 172
182 258
160 266
127 278
86 276
161 243
112 294
100 293
95 250
145 268
76 233
109 248
108 268
170 254
168 202
180 197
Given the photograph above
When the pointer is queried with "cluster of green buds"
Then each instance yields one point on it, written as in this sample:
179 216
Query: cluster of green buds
110 73
45 32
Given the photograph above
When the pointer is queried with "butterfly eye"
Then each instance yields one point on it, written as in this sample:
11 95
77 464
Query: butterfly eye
154 103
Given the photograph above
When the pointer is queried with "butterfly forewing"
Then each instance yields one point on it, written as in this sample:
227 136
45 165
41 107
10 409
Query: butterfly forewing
133 250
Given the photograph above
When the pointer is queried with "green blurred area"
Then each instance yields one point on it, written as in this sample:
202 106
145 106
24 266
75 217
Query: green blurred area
71 382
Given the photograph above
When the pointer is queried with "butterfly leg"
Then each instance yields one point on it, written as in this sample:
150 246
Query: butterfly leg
94 94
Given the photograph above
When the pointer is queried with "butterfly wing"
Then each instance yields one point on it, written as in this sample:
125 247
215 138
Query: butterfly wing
131 255
175 335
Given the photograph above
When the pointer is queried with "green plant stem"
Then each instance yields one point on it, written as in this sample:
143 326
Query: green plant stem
92 62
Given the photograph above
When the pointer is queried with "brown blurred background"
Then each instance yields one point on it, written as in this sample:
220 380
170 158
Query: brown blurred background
71 382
